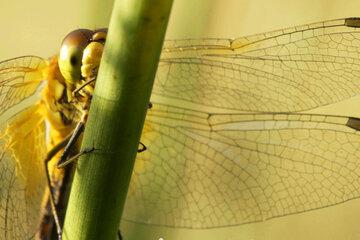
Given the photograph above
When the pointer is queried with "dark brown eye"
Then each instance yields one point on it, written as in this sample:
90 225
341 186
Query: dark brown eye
71 53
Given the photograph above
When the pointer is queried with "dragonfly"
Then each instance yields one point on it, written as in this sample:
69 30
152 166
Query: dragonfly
232 136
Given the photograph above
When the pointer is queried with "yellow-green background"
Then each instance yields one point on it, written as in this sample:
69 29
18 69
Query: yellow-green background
37 27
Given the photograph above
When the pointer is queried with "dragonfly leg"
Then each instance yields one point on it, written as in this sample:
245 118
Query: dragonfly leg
66 144
83 85
64 163
73 158
49 156
63 160
119 235
143 148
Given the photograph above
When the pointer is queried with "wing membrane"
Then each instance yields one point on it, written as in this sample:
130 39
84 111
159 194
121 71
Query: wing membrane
19 80
22 174
230 169
225 144
22 146
290 70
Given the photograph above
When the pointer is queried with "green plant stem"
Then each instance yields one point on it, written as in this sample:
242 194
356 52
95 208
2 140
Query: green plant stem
117 113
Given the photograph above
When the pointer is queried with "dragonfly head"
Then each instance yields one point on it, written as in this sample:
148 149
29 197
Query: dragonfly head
71 52
76 49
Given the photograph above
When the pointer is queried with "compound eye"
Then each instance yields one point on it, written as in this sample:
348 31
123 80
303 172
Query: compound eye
71 53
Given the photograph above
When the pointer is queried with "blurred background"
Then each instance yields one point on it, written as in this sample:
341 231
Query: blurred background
37 27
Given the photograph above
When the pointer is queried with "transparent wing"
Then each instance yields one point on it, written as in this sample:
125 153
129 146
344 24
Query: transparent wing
290 70
225 146
22 146
208 171
19 80
22 174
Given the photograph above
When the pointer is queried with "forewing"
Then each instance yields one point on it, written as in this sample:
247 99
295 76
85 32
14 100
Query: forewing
20 78
290 70
208 171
